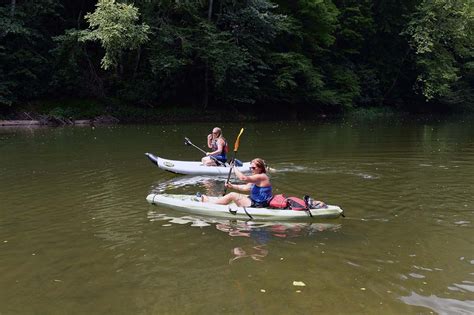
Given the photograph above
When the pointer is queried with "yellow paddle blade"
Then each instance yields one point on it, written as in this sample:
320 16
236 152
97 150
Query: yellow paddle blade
237 142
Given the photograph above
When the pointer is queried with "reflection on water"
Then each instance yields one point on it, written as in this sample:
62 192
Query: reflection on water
257 253
332 168
75 225
206 185
261 233
440 305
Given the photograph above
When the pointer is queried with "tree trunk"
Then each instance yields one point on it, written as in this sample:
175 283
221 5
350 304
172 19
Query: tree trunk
209 12
397 76
12 7
206 87
137 61
95 81
206 72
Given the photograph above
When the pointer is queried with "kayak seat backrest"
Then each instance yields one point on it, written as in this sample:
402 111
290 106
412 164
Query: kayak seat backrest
297 204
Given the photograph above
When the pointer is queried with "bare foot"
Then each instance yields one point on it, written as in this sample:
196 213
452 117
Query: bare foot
204 198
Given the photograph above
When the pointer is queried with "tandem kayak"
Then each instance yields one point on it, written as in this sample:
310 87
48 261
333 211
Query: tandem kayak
191 204
193 168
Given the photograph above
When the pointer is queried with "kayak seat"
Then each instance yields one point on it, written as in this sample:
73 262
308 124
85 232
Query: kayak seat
198 197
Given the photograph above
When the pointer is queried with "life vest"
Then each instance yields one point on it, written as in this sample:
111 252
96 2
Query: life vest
261 194
225 148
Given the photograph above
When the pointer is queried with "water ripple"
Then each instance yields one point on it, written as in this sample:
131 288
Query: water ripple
440 305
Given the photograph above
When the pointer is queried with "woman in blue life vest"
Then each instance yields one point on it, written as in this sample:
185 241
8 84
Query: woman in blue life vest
258 184
216 142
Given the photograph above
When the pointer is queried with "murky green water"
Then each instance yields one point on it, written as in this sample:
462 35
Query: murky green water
77 236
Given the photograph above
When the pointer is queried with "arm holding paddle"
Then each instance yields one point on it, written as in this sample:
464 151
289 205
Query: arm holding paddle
209 141
243 188
258 184
251 179
217 143
188 142
236 148
220 147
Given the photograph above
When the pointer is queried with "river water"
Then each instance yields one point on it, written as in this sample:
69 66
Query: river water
78 237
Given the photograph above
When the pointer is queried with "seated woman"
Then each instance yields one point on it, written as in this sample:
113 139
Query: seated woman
258 184
216 142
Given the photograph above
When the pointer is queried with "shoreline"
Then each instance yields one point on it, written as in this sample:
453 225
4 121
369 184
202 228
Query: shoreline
26 123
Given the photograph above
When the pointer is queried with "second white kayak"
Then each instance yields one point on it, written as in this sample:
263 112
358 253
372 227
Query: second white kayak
193 168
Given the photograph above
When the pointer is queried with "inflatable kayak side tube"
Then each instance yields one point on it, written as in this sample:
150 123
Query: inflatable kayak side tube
152 158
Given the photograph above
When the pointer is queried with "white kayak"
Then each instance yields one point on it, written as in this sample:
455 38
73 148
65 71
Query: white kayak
193 168
192 204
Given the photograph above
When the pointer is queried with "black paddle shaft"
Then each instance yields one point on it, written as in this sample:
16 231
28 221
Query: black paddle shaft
188 142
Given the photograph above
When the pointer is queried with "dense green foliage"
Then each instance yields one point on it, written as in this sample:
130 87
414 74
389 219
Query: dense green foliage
311 55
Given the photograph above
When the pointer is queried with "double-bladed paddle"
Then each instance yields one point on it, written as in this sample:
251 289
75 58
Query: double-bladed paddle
188 142
236 148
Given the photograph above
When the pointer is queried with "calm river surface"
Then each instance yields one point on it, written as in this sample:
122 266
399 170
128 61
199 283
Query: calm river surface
78 237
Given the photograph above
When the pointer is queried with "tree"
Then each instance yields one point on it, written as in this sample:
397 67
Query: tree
114 26
26 29
441 34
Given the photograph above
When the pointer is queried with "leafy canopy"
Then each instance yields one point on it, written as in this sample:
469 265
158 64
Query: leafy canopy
115 26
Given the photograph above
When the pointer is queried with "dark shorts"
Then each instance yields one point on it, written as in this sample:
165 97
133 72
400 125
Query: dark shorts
220 158
257 204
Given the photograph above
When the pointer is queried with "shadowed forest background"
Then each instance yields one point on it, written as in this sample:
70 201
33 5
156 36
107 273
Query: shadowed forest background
85 57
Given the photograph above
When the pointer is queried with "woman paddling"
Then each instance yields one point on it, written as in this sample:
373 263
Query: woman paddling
217 143
258 184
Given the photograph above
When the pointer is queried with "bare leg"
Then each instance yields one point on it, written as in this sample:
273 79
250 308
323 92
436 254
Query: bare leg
239 199
208 161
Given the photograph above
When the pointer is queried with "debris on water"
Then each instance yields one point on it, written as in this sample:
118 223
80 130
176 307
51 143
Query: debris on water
363 289
298 291
166 224
179 221
199 223
299 284
263 290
